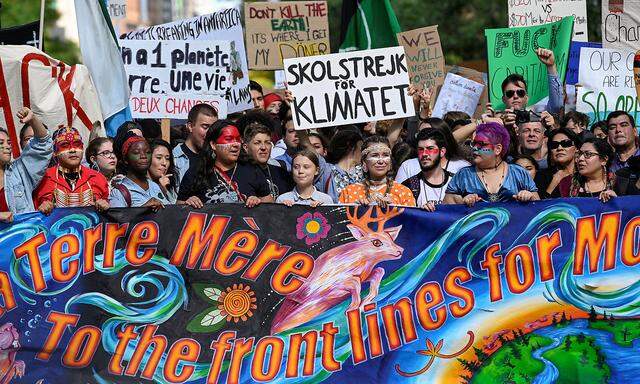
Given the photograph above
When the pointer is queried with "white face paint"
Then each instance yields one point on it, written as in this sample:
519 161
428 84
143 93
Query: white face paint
377 160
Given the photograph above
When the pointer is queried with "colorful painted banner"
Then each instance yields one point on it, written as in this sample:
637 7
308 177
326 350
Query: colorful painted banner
513 50
495 294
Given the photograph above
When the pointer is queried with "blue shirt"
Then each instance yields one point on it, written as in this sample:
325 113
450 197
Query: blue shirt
139 196
467 182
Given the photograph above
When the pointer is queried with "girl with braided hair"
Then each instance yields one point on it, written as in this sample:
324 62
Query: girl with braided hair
378 187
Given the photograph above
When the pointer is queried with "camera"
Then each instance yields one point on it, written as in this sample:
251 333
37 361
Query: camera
522 116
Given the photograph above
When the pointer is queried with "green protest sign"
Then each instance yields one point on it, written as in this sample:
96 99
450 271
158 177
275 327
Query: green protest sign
513 50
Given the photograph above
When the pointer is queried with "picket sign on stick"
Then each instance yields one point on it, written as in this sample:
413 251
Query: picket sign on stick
348 88
282 30
168 77
424 56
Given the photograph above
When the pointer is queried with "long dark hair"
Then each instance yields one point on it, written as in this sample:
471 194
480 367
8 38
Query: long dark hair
207 157
604 151
342 143
368 142
171 170
565 131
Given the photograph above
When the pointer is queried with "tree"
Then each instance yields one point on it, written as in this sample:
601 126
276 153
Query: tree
567 343
625 333
593 316
480 354
21 12
581 338
564 319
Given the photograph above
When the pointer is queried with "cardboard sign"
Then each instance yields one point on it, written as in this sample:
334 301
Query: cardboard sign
527 13
277 31
223 25
458 94
61 95
348 88
574 59
117 9
513 50
621 24
165 75
607 85
424 56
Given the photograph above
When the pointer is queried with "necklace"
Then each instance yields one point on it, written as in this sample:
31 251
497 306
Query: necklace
492 196
588 190
273 188
228 184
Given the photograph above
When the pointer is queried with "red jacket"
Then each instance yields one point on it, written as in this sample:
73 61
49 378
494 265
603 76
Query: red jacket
91 186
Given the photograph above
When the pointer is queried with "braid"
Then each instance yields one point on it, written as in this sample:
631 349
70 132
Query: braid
389 184
367 186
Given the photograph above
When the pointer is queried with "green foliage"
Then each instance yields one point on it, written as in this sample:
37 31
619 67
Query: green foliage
24 11
624 330
579 362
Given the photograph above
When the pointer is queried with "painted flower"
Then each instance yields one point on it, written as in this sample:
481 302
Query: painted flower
232 304
312 227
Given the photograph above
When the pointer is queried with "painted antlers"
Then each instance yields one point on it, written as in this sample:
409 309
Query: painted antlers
365 220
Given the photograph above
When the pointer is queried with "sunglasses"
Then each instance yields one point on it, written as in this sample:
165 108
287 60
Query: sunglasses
567 143
520 92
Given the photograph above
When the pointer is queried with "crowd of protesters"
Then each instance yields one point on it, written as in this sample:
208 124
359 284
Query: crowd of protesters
258 157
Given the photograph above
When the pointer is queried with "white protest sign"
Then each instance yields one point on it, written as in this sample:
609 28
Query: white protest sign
59 94
222 25
458 94
621 24
348 88
167 76
605 83
279 79
117 9
526 13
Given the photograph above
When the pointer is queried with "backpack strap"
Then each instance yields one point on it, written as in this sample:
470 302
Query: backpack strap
125 193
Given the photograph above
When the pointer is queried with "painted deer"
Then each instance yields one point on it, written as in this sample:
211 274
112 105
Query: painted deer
340 272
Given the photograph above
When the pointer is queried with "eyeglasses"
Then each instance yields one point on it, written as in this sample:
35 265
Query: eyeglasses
587 155
567 143
520 92
106 153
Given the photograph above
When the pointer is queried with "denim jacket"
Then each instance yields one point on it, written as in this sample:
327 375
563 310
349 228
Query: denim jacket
23 175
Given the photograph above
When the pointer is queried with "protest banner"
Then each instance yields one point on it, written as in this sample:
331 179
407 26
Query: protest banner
167 78
218 26
606 83
349 88
424 56
458 94
513 50
527 13
117 9
335 294
26 34
621 24
574 59
59 94
282 30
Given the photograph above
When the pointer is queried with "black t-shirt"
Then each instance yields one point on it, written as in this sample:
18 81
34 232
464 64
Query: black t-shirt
247 181
192 156
277 178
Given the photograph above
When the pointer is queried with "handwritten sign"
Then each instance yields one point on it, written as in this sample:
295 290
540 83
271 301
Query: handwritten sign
117 9
574 59
458 94
512 50
277 31
348 88
165 77
527 13
621 24
478 77
223 25
424 56
607 85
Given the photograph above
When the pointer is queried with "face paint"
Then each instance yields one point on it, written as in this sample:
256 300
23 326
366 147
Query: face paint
229 135
67 139
430 151
481 146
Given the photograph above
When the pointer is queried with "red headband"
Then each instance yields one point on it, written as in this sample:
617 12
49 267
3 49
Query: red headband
129 142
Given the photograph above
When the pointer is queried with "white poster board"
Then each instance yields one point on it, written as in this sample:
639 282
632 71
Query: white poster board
457 94
536 12
621 24
117 9
605 83
222 25
348 88
167 78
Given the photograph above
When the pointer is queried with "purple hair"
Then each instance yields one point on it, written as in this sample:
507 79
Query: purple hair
497 134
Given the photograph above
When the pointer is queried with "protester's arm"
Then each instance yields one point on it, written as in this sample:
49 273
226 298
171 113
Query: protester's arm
35 158
556 96
451 198
27 116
